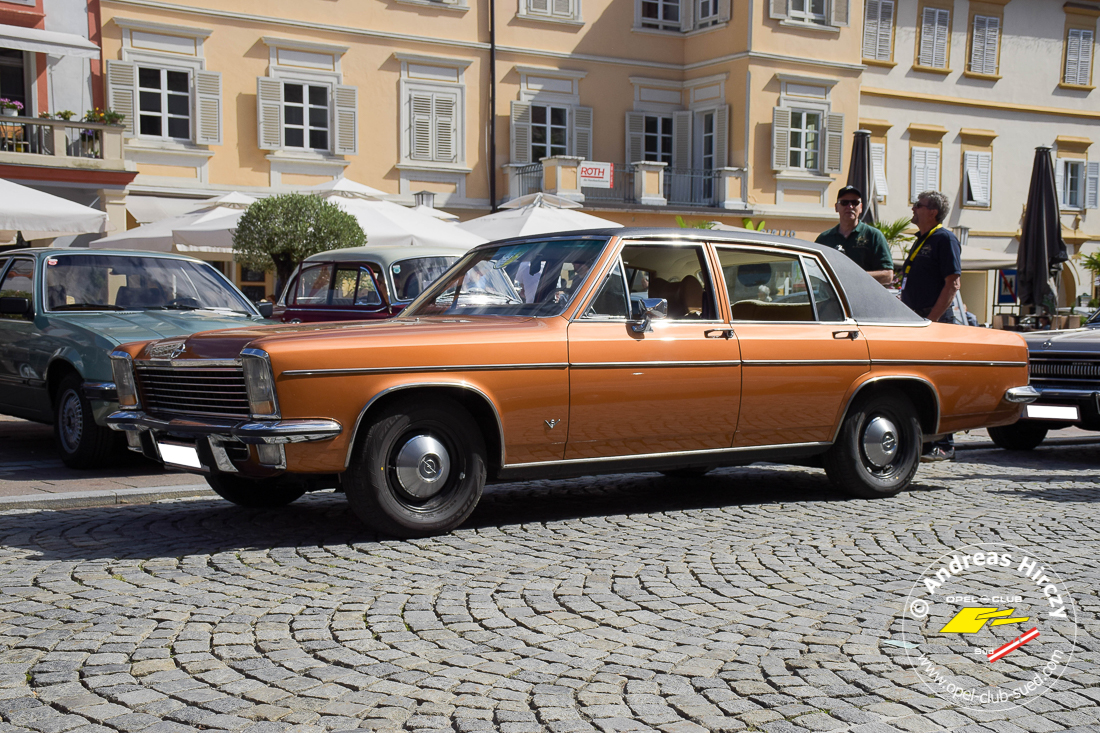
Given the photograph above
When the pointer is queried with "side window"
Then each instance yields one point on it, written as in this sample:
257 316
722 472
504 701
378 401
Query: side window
312 288
343 286
825 297
765 287
679 274
18 282
366 293
611 301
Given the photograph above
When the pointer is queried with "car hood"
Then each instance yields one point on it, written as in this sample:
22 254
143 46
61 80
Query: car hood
1076 340
148 325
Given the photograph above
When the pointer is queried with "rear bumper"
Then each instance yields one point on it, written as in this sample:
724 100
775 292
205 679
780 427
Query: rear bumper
1021 395
252 432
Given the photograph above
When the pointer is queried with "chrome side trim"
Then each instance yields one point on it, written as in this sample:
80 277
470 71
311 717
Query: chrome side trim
650 364
806 362
1024 394
899 324
453 385
948 362
418 369
894 378
184 363
672 454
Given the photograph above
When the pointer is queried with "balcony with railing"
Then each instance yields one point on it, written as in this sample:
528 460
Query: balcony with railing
640 184
61 143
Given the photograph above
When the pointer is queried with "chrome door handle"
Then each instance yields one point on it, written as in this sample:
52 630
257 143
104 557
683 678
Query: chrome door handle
853 335
719 333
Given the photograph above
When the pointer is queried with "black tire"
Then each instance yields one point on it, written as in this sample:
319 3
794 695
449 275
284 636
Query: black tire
862 461
81 442
255 493
419 470
693 472
1022 435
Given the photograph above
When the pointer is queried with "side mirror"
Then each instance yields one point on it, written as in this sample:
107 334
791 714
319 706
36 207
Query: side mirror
265 309
12 306
642 313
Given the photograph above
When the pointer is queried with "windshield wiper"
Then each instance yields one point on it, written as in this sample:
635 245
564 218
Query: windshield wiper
89 307
172 307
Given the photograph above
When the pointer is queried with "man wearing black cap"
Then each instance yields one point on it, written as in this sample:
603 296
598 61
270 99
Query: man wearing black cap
864 245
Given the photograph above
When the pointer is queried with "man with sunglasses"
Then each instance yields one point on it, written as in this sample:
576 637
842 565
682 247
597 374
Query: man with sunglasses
864 244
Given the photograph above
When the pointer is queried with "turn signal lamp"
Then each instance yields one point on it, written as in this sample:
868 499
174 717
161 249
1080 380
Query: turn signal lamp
259 380
122 367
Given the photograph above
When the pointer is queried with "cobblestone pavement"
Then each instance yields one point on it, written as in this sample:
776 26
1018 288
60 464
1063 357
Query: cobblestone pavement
751 599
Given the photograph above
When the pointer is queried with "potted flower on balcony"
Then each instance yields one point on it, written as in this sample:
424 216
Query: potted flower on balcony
10 107
90 139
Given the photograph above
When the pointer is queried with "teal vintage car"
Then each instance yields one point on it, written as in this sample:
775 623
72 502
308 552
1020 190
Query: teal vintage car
63 311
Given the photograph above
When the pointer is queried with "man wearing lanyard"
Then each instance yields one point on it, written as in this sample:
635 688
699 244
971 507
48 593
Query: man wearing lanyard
930 279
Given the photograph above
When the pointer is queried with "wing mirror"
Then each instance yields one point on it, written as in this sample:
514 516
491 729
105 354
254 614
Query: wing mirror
266 309
642 313
12 306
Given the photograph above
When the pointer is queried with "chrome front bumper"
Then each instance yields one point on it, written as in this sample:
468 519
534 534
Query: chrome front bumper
1021 395
252 432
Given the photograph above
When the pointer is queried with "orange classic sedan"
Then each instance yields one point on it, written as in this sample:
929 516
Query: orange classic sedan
581 353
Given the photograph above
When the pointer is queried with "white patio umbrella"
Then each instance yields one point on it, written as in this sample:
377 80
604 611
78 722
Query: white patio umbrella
41 215
159 235
537 213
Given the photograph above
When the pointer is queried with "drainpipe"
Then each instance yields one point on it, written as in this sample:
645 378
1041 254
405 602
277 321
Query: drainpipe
492 105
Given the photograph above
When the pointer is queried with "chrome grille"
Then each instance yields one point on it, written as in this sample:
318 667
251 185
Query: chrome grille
208 391
1078 370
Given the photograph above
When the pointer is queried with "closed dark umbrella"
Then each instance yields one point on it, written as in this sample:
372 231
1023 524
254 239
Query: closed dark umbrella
862 176
1042 249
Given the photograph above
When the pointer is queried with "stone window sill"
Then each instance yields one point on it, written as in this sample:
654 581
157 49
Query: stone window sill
931 69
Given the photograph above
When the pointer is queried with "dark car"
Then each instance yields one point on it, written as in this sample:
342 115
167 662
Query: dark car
1064 367
62 311
361 283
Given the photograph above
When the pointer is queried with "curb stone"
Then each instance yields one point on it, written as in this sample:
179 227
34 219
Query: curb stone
107 497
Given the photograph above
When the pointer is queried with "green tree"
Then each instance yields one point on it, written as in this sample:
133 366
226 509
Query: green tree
896 237
277 233
685 224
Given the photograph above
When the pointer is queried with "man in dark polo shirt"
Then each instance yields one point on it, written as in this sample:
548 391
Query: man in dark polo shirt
930 279
864 245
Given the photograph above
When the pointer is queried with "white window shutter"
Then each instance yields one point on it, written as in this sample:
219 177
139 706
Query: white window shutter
974 179
1092 186
1084 59
932 169
723 11
934 38
878 168
521 132
781 139
687 15
839 12
939 58
834 143
985 175
884 44
581 118
917 166
992 37
1073 53
681 139
635 137
721 136
870 29
420 126
121 85
269 113
562 8
541 7
1059 181
778 9
977 45
346 115
208 107
446 143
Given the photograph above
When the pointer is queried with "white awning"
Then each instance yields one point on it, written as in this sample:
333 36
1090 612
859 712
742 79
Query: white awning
145 209
48 42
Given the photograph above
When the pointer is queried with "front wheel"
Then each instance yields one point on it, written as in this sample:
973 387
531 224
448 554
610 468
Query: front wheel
1021 435
878 449
255 493
82 443
419 470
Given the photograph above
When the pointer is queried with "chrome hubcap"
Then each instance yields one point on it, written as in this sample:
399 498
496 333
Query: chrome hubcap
880 442
422 466
70 421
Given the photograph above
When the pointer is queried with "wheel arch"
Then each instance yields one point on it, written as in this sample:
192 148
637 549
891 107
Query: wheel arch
56 372
479 405
919 390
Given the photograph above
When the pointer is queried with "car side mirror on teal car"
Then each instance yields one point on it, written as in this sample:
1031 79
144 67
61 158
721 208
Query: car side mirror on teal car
265 309
14 306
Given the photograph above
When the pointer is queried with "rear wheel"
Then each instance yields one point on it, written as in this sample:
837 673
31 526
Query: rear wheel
419 470
878 449
1022 435
82 443
255 493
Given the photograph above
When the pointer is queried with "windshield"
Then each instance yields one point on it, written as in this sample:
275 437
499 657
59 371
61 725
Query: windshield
129 282
536 278
1094 319
412 277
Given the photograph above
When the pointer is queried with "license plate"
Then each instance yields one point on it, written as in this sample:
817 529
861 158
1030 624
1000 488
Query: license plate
179 455
1052 412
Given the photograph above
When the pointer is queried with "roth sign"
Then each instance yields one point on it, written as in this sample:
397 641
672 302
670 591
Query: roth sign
596 175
